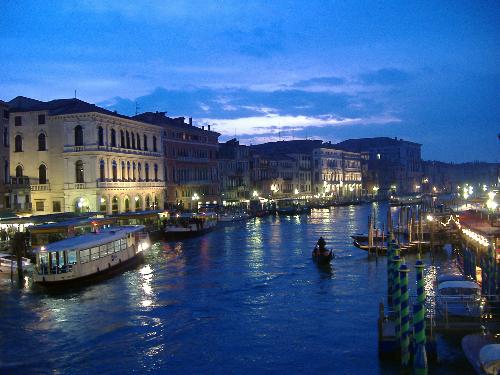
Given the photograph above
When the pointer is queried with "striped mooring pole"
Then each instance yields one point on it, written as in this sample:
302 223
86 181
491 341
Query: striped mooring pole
420 358
474 265
466 262
405 315
390 250
396 297
491 271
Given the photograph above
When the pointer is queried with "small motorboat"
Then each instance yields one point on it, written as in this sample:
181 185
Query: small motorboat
482 350
459 299
322 257
8 263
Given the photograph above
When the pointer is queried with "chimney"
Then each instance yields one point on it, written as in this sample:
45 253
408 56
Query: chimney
208 127
203 127
190 121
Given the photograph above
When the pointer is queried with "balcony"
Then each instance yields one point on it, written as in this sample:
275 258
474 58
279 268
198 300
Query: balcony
22 207
130 184
19 181
94 148
40 187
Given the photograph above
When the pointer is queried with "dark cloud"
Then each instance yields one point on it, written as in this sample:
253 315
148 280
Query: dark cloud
320 81
386 76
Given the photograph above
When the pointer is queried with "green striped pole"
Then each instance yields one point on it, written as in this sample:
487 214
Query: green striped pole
420 359
405 315
474 265
396 297
491 271
390 250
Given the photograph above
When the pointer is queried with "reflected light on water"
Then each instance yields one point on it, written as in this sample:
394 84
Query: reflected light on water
146 273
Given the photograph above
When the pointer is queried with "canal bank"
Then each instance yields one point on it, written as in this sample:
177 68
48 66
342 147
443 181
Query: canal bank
246 298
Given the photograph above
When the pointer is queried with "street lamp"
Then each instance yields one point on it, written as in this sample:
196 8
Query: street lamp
195 198
255 194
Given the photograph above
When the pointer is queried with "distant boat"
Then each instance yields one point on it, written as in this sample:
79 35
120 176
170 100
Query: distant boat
233 216
81 258
185 225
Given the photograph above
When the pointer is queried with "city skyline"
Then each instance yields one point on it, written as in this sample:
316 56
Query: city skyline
423 72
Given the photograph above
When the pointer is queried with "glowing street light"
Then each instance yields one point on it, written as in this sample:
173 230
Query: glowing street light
296 191
255 194
195 197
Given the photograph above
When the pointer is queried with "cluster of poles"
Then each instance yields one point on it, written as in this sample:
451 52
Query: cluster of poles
490 275
397 281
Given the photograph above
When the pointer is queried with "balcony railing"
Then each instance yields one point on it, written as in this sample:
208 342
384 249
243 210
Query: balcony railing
130 184
20 181
40 187
121 150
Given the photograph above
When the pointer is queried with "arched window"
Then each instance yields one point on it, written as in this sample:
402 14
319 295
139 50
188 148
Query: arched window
42 174
145 145
148 202
126 202
156 172
122 139
102 171
138 141
42 144
18 143
146 170
128 171
128 139
100 136
113 138
114 171
138 202
139 171
78 136
154 144
79 176
19 171
133 140
123 171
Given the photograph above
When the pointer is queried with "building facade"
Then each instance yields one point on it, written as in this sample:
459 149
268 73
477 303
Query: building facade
389 165
337 173
190 160
4 157
72 156
234 172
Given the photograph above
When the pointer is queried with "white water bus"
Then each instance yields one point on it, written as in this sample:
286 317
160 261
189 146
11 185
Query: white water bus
77 259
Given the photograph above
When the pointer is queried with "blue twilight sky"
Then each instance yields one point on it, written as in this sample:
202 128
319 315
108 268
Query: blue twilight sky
426 71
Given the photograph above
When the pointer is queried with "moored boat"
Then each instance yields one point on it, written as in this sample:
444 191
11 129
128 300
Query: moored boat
8 263
482 350
459 299
78 259
185 225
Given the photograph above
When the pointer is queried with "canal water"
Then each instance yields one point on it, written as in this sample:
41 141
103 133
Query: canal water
244 299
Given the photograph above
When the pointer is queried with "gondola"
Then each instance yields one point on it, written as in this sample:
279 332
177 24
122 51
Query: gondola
322 258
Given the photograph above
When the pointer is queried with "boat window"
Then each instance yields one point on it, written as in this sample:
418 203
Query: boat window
124 243
117 245
111 247
43 262
94 253
103 250
84 256
72 257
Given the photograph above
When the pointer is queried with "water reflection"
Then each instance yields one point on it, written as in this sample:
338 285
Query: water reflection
247 296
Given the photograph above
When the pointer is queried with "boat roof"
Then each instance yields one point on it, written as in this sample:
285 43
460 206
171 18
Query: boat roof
458 284
89 240
450 277
489 356
72 223
3 255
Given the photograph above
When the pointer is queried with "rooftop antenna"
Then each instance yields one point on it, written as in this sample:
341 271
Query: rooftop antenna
136 107
75 93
